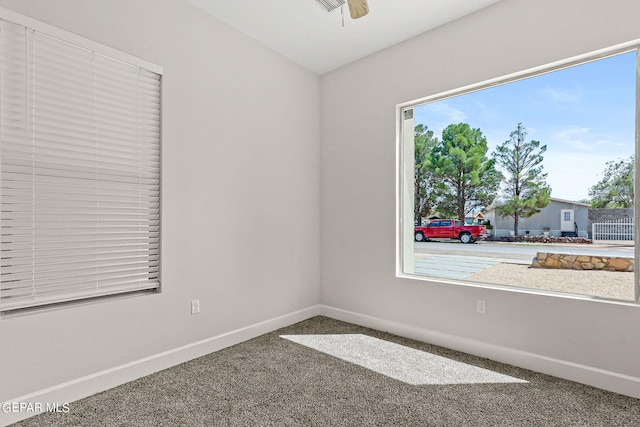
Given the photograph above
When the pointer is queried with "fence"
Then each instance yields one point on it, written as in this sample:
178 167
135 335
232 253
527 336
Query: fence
621 229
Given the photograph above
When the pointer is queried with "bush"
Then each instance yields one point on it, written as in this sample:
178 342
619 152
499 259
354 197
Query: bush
539 239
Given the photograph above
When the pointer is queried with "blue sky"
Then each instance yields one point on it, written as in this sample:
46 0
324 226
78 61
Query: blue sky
584 114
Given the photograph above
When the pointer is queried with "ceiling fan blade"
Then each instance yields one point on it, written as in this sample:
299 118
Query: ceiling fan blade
358 8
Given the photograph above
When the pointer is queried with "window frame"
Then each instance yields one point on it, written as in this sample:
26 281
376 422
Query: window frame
405 165
126 59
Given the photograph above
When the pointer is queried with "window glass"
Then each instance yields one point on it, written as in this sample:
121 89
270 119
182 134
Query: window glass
537 170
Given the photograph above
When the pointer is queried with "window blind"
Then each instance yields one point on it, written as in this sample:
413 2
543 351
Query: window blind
79 172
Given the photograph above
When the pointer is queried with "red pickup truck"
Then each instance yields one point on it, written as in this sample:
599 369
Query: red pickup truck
449 229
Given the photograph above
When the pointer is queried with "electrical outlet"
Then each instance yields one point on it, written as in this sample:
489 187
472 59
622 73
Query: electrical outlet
481 306
195 306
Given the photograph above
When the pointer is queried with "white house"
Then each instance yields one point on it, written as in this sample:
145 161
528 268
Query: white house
560 217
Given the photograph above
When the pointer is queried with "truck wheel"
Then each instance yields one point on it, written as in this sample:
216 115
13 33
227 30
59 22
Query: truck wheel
419 237
466 238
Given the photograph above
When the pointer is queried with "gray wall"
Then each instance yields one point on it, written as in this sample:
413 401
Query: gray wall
359 128
607 215
240 189
617 215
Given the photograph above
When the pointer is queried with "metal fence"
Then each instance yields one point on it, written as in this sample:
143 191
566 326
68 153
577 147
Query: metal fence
621 229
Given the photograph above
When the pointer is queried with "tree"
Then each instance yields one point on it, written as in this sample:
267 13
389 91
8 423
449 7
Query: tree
468 179
525 190
615 189
425 194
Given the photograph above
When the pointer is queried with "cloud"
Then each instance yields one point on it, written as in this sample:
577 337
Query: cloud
578 138
563 95
439 115
571 175
485 112
449 113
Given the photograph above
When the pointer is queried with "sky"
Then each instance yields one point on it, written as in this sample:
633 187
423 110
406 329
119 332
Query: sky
584 114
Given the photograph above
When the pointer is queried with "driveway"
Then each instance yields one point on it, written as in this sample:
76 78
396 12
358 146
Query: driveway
450 266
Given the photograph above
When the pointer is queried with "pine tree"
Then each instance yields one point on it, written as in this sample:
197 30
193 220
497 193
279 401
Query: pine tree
425 192
525 191
469 180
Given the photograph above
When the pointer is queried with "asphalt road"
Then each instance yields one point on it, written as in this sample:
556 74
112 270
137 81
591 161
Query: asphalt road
455 260
517 251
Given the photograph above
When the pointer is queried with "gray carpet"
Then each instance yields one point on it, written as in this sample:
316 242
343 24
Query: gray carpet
275 381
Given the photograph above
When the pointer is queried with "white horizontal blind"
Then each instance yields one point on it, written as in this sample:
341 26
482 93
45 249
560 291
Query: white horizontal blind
79 172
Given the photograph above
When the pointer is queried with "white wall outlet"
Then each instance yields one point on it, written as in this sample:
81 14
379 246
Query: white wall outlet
195 306
481 306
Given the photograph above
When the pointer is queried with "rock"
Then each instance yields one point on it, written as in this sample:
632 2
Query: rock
581 262
619 264
552 263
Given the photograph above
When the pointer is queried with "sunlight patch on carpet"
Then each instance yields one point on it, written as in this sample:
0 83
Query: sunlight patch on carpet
398 361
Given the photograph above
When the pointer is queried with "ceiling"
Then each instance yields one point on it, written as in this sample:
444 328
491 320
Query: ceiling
304 32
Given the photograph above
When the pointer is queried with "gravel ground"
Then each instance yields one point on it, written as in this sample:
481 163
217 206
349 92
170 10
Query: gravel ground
610 284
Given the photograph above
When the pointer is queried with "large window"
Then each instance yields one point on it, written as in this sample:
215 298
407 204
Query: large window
538 170
79 168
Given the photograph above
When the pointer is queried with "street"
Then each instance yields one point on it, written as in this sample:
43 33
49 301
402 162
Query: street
452 259
519 251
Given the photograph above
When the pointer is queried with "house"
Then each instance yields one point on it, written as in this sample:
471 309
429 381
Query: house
560 217
248 133
477 218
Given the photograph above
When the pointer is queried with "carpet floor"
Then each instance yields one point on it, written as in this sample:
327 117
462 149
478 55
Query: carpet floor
286 379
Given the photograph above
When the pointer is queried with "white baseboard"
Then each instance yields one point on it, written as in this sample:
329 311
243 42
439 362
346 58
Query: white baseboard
79 388
600 378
